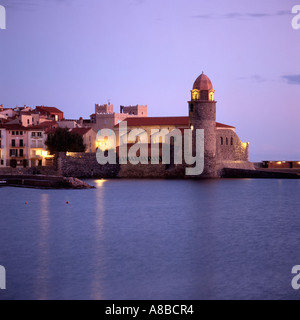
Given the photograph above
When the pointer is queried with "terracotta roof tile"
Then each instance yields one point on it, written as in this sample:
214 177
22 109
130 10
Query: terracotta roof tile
164 121
48 109
81 131
203 83
13 127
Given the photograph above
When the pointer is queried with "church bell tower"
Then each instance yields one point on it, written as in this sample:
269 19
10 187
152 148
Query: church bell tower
202 114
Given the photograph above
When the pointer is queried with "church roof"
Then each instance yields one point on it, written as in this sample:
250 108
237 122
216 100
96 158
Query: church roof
157 121
203 83
165 121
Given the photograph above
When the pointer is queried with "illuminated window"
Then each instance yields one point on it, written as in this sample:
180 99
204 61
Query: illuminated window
195 95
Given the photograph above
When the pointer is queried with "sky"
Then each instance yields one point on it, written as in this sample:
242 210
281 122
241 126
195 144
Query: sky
72 54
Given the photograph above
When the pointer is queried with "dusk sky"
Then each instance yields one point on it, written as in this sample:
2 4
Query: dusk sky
72 54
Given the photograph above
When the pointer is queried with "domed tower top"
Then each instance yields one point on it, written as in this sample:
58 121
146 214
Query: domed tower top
203 89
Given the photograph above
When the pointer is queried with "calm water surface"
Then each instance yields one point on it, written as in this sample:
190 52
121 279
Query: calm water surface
228 239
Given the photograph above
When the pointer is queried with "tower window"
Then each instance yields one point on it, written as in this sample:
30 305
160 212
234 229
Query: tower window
192 108
232 141
222 141
227 141
204 95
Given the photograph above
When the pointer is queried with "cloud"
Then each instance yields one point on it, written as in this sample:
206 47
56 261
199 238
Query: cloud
204 16
232 15
258 15
242 16
283 13
29 4
292 79
254 78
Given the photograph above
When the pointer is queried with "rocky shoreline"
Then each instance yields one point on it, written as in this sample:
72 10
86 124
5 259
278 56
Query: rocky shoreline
42 182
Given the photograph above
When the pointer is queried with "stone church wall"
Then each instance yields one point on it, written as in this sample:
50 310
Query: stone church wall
230 147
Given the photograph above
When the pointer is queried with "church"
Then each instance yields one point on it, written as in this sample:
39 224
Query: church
222 146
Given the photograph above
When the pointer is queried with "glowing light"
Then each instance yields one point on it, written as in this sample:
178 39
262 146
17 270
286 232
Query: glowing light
212 95
279 162
44 153
100 183
195 94
245 145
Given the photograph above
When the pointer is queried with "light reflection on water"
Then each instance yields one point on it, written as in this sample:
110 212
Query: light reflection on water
128 239
42 278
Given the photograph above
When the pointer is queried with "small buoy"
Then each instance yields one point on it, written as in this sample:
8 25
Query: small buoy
67 202
26 202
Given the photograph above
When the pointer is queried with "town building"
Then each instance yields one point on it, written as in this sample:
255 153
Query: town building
51 112
16 145
3 149
89 138
23 136
37 152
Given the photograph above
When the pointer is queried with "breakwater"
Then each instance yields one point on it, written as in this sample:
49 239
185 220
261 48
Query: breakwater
42 182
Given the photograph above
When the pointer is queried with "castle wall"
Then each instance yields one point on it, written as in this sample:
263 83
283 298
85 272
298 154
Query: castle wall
84 165
139 111
232 149
231 152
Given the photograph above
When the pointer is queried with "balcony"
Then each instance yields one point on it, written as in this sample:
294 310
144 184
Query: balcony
18 156
38 146
17 146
